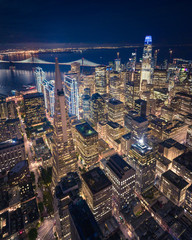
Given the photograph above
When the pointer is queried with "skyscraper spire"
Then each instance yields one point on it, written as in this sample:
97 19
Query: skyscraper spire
64 156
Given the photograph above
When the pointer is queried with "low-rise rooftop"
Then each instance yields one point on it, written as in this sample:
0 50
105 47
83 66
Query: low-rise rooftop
96 180
118 165
85 130
11 143
176 180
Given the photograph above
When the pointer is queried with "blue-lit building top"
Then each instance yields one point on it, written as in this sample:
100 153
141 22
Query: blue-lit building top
148 40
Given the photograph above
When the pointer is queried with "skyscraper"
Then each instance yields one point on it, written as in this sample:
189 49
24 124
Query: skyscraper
97 107
146 69
64 156
71 95
100 80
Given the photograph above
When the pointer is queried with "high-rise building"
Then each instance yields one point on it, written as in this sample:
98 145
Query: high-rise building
66 191
97 108
122 177
171 149
39 77
86 106
100 80
97 189
3 108
188 203
11 152
173 187
34 109
64 156
71 95
182 166
146 70
141 158
141 107
160 78
9 129
86 141
83 224
116 111
163 130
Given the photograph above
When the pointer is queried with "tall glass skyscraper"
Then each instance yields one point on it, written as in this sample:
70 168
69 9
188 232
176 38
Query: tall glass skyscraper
146 69
71 95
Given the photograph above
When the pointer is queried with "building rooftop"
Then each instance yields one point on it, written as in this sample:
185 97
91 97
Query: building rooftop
139 101
140 119
176 180
127 136
96 96
141 147
169 143
96 180
185 160
33 95
114 124
114 101
85 130
67 184
18 167
165 161
118 165
11 143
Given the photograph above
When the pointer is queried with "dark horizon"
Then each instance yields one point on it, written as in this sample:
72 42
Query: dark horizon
95 22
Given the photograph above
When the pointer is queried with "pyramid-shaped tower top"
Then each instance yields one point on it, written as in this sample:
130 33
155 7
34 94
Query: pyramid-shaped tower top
58 82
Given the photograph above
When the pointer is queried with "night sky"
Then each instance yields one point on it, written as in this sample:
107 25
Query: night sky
72 21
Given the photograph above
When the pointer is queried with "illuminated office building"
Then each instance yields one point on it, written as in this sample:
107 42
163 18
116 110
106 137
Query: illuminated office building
116 88
146 70
50 97
171 149
12 151
86 141
75 68
34 109
141 158
39 77
126 143
9 129
66 191
188 203
100 80
71 95
116 111
117 64
160 78
182 166
173 187
86 99
3 108
114 132
163 164
163 130
97 190
161 94
97 108
141 107
122 177
64 155
128 119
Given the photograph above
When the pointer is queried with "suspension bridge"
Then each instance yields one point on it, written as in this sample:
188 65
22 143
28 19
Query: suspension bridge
34 60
